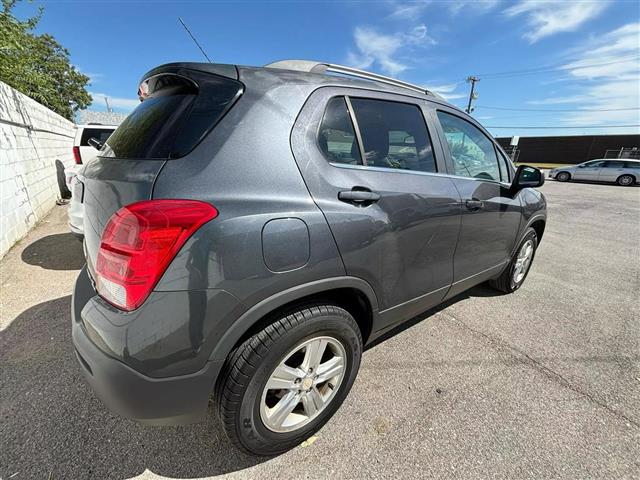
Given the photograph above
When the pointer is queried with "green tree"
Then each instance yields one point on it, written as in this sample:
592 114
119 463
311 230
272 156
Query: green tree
38 66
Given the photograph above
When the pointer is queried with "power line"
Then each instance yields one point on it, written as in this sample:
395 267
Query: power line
558 109
567 65
578 127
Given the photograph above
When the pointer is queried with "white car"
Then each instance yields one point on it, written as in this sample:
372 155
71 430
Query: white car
622 171
83 153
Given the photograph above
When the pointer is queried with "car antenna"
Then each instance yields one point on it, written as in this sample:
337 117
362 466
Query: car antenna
194 39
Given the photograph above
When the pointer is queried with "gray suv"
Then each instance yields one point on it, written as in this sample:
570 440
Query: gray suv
249 230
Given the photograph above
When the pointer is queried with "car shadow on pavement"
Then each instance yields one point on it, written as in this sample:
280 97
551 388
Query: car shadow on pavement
54 427
61 251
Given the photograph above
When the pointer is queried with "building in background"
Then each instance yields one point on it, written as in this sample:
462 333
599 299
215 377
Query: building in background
571 149
86 117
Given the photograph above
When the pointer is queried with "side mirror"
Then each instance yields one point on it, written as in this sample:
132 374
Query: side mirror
95 143
527 177
581 166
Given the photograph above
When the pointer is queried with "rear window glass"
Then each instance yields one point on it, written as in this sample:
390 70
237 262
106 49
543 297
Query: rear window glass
100 134
174 118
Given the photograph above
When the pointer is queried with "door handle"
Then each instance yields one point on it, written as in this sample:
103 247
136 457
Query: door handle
474 205
359 196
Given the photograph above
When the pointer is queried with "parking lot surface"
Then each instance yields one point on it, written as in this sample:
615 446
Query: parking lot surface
544 383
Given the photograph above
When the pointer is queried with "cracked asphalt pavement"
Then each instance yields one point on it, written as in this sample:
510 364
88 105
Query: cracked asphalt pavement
544 383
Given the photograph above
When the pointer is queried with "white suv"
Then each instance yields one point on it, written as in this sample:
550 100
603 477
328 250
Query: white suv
83 153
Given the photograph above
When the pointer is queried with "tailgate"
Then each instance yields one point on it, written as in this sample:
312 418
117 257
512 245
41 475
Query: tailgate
110 184
180 105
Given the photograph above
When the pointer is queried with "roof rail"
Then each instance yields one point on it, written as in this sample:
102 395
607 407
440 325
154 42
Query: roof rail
311 66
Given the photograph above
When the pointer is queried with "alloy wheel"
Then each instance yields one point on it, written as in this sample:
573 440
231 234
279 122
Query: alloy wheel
303 384
625 180
523 261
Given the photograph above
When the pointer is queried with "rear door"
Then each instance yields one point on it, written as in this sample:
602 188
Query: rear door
490 212
611 170
155 132
372 167
589 171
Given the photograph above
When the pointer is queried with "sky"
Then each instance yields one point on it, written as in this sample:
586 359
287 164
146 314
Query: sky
566 66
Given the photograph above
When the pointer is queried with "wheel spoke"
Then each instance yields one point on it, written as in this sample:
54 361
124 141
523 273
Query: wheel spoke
284 377
312 402
283 408
313 354
329 369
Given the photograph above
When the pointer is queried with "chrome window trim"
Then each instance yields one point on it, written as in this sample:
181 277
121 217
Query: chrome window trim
413 172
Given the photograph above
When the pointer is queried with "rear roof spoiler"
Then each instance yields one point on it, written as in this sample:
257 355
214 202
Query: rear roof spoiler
223 70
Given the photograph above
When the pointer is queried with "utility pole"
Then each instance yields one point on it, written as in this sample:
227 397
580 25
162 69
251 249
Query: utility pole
472 95
106 100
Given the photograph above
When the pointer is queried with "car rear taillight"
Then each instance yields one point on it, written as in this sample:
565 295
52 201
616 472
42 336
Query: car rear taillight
76 155
139 242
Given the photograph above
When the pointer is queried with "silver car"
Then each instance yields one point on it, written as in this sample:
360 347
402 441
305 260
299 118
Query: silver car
624 172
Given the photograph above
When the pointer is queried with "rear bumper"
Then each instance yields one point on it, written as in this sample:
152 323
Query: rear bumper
157 401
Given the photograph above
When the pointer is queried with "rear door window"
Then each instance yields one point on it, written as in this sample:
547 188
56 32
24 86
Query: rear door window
175 115
632 165
394 135
614 164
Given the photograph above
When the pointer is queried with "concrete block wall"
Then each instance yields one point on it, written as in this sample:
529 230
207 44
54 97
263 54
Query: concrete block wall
32 138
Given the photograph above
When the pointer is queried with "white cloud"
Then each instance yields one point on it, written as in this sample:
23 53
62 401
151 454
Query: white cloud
127 104
606 76
458 6
446 91
408 11
375 48
548 17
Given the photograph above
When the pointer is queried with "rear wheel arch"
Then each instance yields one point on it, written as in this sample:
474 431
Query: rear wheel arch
352 294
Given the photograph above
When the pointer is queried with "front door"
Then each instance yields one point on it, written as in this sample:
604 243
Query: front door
589 171
490 214
370 165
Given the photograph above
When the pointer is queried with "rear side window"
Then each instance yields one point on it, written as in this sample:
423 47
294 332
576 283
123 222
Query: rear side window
632 165
176 114
394 135
472 153
336 137
100 134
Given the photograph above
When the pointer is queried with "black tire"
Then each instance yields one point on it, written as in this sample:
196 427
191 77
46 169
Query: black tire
626 180
563 176
245 374
506 282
